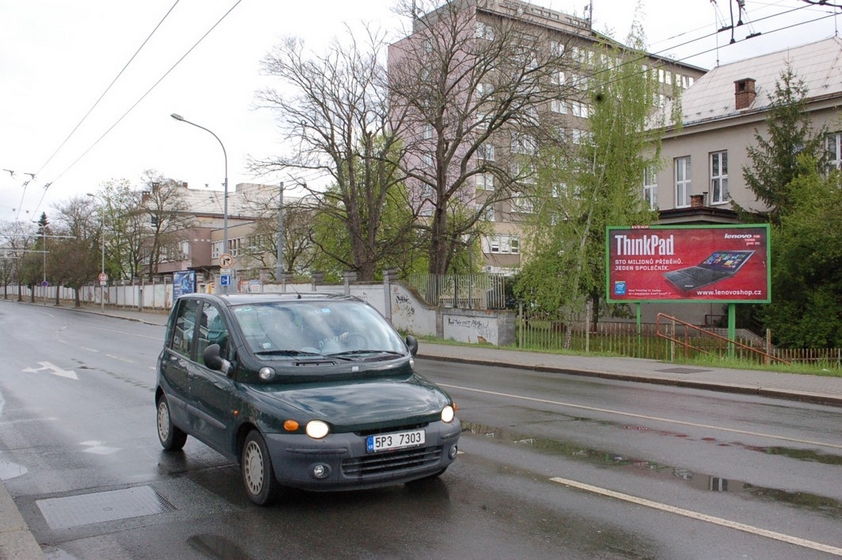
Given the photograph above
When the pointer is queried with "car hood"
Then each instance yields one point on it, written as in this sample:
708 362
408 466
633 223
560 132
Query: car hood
359 405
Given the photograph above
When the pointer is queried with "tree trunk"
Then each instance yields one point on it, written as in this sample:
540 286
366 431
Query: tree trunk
438 243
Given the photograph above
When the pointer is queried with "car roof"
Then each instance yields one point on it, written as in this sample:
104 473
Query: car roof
245 299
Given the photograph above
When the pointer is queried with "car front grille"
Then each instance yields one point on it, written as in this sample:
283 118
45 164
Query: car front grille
397 461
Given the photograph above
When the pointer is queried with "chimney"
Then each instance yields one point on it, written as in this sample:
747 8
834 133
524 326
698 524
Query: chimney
697 200
744 93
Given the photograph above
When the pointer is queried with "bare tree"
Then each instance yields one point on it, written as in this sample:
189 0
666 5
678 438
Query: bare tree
298 249
469 91
337 116
165 211
73 257
16 241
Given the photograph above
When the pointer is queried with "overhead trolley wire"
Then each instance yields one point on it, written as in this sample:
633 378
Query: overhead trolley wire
142 97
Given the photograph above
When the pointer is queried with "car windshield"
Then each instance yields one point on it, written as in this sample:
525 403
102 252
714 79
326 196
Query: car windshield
319 328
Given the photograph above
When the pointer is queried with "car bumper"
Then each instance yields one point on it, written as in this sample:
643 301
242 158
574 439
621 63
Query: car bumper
341 462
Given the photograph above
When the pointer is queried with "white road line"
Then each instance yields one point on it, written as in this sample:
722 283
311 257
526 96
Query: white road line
701 516
120 359
642 416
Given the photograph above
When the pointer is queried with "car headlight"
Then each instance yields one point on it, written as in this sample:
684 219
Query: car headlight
448 414
317 429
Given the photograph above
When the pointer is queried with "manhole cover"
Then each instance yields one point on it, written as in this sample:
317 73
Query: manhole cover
683 370
73 511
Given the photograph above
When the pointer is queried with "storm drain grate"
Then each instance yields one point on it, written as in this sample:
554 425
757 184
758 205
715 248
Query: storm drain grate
73 511
683 370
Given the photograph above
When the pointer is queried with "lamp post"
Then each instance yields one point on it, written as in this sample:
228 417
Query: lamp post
224 289
102 276
279 273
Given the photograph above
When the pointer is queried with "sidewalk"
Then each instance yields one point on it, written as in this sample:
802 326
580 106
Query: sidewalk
809 388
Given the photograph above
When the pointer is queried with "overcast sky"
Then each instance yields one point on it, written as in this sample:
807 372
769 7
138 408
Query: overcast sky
57 57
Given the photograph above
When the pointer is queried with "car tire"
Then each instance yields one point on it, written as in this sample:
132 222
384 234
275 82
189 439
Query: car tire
259 479
171 437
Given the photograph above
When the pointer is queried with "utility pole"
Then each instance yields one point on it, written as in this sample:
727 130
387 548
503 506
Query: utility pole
279 269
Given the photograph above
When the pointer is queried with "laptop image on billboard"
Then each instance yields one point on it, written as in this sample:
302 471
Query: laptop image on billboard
718 266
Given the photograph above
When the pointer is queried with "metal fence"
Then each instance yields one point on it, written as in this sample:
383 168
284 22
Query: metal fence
554 332
467 291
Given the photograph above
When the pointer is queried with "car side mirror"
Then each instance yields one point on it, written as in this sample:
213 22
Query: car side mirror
412 344
214 360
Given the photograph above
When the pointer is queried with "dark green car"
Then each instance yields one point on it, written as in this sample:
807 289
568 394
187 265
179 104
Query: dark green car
309 391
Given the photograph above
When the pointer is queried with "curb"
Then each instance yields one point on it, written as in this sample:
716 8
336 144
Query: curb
16 540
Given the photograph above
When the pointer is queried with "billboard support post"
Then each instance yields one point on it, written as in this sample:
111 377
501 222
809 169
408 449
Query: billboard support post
732 328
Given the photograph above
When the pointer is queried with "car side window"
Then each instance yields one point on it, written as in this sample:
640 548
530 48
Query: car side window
213 330
185 327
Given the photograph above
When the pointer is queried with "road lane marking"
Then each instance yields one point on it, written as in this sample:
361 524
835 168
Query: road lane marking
55 370
120 358
642 416
701 516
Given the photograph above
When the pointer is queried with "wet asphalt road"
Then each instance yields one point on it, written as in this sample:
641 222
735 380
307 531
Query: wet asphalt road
552 466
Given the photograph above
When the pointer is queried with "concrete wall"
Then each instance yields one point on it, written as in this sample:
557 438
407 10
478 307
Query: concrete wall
396 302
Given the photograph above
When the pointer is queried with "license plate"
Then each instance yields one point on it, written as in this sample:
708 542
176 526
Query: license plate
397 440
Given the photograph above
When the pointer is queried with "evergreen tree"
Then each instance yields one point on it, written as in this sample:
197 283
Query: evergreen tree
806 310
774 158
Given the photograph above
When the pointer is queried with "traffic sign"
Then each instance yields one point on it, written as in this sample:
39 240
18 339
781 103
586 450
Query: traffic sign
103 278
226 260
224 280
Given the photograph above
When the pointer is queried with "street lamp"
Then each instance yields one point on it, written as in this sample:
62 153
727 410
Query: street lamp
224 289
102 276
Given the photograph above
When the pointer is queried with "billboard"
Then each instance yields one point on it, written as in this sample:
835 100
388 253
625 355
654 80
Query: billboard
184 282
688 263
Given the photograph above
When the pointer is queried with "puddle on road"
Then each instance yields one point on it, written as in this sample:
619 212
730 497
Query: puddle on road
699 481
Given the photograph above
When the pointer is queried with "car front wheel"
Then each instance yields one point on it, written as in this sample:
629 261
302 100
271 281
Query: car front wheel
171 437
258 477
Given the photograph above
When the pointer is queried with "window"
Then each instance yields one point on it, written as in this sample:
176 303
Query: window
213 330
486 152
523 144
484 90
558 106
486 213
579 109
504 244
485 182
523 173
719 177
183 339
650 187
427 132
522 204
485 31
833 144
682 182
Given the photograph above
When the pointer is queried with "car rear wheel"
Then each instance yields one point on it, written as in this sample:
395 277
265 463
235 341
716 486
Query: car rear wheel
258 477
171 438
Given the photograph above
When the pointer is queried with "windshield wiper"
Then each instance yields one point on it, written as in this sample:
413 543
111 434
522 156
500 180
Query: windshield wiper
365 352
285 353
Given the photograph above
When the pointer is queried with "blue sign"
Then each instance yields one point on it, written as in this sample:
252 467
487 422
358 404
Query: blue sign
184 282
225 280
